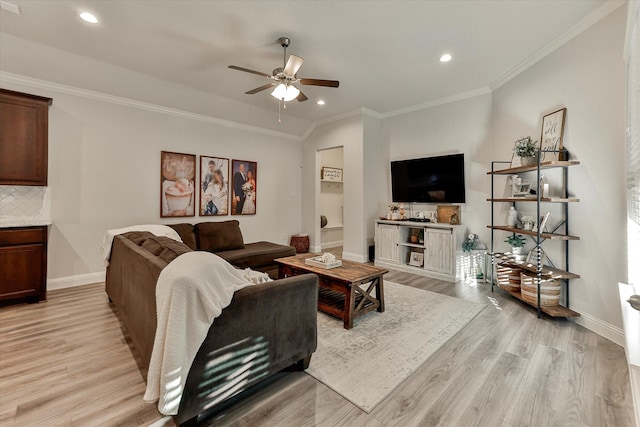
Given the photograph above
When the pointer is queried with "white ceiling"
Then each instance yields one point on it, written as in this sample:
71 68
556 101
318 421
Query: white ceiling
385 53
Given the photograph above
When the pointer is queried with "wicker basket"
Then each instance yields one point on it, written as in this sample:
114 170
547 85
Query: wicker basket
549 290
508 277
300 242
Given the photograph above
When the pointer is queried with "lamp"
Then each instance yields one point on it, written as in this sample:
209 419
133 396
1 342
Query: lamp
285 92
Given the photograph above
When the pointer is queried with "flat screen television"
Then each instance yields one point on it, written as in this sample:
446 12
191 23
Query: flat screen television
429 180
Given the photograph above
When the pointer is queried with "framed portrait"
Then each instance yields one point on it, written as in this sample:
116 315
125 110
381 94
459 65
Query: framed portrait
542 223
244 187
177 184
214 186
416 259
551 137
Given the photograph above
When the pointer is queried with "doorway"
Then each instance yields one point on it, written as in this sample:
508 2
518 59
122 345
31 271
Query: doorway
331 201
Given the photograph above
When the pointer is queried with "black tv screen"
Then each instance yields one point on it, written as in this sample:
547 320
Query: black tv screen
429 180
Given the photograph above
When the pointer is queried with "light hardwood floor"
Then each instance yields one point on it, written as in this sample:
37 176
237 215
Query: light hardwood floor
68 362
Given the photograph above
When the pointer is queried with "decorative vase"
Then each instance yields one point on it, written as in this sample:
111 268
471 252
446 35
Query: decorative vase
528 161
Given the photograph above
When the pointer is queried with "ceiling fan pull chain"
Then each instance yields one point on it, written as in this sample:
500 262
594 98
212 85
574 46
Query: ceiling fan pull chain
279 120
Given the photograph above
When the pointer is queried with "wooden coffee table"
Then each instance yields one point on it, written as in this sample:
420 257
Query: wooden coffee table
341 289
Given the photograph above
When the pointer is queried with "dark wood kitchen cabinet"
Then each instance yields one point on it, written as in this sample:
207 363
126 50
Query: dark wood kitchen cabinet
23 263
24 128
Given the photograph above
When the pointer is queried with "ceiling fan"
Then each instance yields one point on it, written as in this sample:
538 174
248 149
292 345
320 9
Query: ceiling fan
284 79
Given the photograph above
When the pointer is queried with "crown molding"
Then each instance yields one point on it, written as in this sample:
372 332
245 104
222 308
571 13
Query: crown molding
99 96
633 21
441 101
356 112
564 38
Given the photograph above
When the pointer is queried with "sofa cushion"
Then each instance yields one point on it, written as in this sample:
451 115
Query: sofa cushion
256 254
138 237
186 233
168 254
152 245
219 236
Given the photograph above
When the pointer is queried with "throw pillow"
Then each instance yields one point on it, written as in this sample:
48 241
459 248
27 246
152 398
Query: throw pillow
219 236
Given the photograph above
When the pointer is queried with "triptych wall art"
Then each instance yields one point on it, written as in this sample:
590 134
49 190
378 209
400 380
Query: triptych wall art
224 186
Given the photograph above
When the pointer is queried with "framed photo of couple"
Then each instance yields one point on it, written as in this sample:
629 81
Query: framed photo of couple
243 186
214 186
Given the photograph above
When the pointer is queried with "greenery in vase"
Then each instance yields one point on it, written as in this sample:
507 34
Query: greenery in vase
524 147
516 240
470 242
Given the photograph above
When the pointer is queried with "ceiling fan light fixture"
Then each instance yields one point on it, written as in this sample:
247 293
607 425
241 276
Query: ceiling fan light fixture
285 92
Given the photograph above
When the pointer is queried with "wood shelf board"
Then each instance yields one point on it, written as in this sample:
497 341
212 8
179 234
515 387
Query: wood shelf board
553 311
550 236
332 182
533 199
547 271
529 168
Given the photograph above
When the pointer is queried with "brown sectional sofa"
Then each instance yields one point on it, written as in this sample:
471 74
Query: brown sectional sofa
225 239
277 318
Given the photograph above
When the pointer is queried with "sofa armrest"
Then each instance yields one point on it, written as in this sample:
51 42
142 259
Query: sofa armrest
266 328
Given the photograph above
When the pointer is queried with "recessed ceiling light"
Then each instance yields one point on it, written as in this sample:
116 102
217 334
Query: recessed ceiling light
445 58
320 102
89 17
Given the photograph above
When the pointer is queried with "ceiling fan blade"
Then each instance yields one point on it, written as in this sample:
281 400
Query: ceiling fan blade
317 82
301 97
260 89
246 70
293 65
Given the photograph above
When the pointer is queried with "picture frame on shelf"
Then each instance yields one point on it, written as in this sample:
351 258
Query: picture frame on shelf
416 259
532 257
522 189
542 223
331 174
552 135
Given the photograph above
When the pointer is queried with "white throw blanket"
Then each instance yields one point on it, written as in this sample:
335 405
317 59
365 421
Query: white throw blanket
192 291
158 230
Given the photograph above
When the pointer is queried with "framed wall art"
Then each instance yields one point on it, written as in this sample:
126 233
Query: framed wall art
244 186
331 174
416 259
177 184
551 137
214 186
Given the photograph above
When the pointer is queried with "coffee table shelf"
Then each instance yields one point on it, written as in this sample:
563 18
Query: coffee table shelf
345 292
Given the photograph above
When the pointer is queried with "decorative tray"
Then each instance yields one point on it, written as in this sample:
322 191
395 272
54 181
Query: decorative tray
319 262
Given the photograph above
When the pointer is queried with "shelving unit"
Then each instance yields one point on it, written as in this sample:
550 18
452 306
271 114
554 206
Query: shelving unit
559 233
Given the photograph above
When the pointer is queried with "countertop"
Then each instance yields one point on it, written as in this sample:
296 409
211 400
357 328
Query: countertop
23 222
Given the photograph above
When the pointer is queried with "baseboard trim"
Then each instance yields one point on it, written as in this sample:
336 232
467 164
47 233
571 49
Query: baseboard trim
600 327
78 280
354 257
329 245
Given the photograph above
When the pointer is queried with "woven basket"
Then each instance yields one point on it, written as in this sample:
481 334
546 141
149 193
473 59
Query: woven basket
300 242
508 277
549 291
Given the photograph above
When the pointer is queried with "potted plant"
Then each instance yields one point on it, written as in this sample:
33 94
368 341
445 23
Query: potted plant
517 242
527 150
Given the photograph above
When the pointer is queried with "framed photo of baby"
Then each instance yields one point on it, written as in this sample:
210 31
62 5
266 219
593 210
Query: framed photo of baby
244 179
177 184
214 186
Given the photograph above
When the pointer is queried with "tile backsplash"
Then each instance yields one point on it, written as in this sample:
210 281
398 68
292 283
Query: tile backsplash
18 201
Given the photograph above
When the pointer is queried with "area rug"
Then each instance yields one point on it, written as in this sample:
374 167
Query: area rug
368 362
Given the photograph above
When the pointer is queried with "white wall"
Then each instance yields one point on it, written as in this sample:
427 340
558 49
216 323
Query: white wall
457 127
346 133
587 76
104 169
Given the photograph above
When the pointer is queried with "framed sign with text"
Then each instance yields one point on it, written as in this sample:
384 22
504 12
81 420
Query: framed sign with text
551 138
